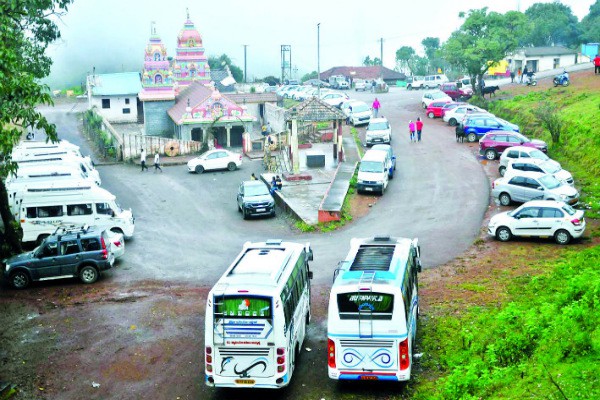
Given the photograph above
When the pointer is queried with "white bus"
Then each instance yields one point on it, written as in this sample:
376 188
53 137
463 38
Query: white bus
42 208
257 316
373 309
84 163
47 173
38 144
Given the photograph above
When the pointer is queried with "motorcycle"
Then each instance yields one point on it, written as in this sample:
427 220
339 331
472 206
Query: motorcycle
530 79
562 79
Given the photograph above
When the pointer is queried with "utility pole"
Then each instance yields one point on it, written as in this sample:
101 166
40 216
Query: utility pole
319 59
381 58
245 75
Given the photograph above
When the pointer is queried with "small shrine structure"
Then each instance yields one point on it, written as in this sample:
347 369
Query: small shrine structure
191 64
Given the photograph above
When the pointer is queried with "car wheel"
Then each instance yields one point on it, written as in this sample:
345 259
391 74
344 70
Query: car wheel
491 154
19 280
245 213
431 115
452 121
88 274
503 234
199 169
273 212
505 199
409 87
565 83
502 170
471 137
562 237
231 166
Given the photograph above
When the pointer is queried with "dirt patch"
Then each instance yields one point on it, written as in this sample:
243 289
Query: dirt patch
360 204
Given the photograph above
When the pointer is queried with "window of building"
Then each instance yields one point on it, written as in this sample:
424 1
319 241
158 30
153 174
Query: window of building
105 103
126 101
127 111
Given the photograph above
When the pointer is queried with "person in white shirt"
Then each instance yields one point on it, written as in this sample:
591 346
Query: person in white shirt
157 163
143 159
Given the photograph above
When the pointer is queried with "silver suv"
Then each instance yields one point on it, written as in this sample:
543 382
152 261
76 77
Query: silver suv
515 152
525 186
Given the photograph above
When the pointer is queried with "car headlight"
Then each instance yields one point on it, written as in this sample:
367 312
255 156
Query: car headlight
563 196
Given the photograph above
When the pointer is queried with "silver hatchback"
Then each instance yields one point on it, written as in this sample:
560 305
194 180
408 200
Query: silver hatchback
526 186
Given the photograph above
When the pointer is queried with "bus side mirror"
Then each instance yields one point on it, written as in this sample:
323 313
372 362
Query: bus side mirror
310 255
336 272
310 274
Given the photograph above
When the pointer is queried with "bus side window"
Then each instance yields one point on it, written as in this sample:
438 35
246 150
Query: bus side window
103 208
79 209
49 211
31 212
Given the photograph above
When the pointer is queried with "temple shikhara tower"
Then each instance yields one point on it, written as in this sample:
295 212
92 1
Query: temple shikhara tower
191 64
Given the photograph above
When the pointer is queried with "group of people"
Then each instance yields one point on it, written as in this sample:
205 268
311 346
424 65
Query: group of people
156 161
276 183
415 128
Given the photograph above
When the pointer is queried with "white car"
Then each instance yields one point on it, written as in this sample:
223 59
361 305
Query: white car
334 98
537 165
379 130
434 95
524 186
307 94
300 91
360 85
117 243
516 152
455 115
215 159
345 106
359 113
539 218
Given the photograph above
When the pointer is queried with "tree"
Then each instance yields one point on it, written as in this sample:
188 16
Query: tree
310 75
551 24
403 57
431 46
27 27
368 62
483 40
220 62
271 80
590 25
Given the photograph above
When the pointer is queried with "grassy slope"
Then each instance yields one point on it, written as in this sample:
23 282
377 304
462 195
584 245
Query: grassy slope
530 327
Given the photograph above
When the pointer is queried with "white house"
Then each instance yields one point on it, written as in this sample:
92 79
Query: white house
115 95
542 58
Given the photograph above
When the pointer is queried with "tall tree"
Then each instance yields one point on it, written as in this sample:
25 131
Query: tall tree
551 24
367 61
590 25
431 46
221 61
310 75
483 40
27 27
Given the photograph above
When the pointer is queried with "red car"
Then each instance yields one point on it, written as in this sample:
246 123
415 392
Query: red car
450 106
493 143
435 109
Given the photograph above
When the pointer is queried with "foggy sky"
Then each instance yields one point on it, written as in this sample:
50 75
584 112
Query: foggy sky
111 34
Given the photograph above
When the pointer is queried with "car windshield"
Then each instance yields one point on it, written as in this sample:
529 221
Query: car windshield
256 190
568 209
438 95
522 138
360 107
371 166
539 155
550 168
377 126
503 122
549 181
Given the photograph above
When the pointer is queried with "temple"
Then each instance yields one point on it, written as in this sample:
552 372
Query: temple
191 64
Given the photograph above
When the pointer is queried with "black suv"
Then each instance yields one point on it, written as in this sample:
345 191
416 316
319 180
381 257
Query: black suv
254 198
68 253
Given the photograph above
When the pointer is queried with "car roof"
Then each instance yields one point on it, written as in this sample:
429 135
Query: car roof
380 119
381 147
527 174
535 161
544 203
376 155
253 183
521 148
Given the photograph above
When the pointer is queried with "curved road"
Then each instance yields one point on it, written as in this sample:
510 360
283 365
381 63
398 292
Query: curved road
187 226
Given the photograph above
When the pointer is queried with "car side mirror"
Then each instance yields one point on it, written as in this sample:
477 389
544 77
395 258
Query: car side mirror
540 188
393 158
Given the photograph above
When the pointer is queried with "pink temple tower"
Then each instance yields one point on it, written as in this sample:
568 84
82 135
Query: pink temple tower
157 77
191 64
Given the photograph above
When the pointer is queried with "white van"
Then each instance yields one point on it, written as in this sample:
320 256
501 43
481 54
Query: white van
434 81
84 163
36 144
48 173
373 174
42 208
26 153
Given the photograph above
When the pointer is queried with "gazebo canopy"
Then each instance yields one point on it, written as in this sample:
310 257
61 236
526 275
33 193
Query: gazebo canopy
315 109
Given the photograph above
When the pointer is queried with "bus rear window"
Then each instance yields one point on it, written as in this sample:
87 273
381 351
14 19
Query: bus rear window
355 305
243 306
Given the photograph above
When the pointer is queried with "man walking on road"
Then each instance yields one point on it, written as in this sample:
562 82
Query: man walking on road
143 159
157 162
376 106
419 128
597 64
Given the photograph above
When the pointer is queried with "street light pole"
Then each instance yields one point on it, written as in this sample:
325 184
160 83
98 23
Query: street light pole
319 59
245 75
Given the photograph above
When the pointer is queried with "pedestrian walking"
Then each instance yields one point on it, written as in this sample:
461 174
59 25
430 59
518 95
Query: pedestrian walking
143 160
519 76
157 162
411 130
512 76
597 64
376 106
419 128
525 72
253 177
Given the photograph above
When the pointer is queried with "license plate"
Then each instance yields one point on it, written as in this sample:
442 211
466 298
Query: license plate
244 381
369 189
260 209
369 378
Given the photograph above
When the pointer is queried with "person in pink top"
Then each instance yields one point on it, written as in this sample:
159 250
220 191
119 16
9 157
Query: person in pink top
376 106
411 128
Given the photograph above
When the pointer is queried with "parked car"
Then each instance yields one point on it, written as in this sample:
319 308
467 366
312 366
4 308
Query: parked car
434 81
456 91
254 198
69 253
360 85
539 218
415 82
455 115
300 92
475 126
215 159
360 113
307 94
449 106
345 106
287 93
434 95
117 243
334 98
391 167
537 165
435 109
343 85
493 143
379 130
524 186
522 152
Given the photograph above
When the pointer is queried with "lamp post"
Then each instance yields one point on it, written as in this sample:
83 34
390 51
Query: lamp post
319 59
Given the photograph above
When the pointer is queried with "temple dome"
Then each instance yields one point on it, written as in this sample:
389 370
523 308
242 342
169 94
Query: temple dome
189 36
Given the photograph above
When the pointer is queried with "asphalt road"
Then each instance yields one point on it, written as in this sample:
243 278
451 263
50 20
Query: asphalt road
188 227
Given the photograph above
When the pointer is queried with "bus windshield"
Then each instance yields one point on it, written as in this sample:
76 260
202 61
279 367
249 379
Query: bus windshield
352 305
243 306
